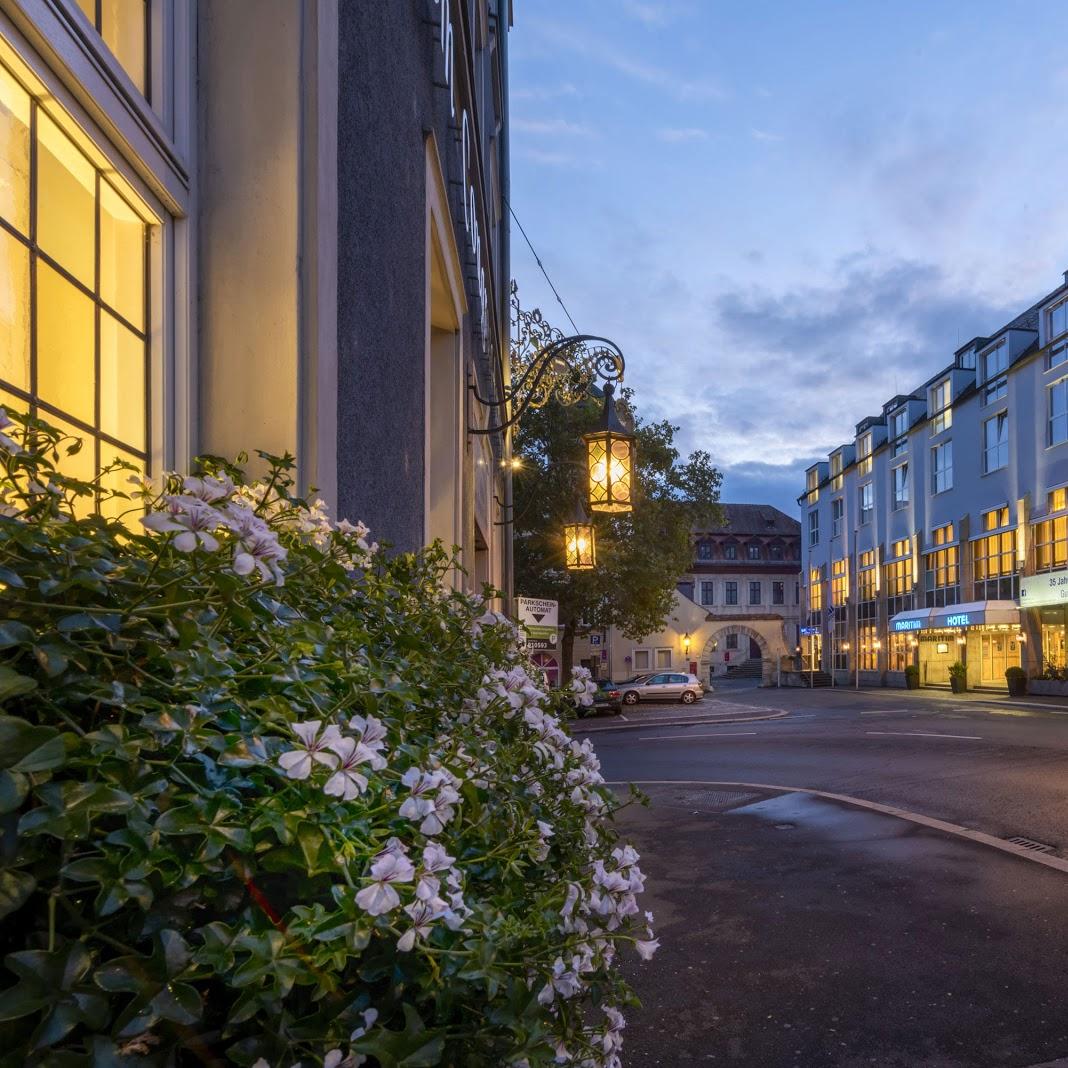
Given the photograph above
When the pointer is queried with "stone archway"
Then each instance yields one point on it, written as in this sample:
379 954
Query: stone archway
720 633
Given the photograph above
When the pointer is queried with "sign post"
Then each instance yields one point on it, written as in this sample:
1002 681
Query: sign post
538 618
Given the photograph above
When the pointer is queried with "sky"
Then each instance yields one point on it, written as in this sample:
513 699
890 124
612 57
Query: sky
787 212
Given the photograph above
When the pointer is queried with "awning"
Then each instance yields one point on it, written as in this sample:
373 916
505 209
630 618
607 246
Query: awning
975 613
915 619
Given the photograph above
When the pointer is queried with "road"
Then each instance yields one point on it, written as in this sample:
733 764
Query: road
993 767
800 931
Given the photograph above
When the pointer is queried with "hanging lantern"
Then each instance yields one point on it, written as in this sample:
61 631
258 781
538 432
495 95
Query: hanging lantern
610 461
580 552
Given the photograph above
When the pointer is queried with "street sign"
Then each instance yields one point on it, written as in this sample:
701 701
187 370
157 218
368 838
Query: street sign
595 639
538 617
807 632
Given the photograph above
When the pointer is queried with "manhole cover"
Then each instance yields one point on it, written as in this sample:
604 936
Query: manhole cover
712 800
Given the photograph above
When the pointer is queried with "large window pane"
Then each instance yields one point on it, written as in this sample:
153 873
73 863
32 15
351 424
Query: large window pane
14 312
122 256
122 25
65 335
122 382
119 481
14 153
66 201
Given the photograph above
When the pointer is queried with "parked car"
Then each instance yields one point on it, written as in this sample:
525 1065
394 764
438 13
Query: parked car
663 686
609 695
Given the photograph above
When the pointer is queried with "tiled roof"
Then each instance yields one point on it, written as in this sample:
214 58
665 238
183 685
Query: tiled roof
754 519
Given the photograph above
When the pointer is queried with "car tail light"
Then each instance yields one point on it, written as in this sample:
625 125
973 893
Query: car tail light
613 693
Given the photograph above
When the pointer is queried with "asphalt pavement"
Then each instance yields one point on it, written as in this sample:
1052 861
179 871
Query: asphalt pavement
804 932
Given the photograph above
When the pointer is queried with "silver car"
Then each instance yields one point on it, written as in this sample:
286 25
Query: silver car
663 686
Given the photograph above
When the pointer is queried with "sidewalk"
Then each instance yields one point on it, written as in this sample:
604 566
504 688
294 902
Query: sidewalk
797 932
978 697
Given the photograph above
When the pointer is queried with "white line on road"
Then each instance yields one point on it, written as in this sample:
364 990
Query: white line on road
925 734
886 712
668 737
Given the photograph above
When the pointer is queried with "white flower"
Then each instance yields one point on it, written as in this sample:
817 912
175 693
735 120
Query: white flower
298 763
7 443
435 858
372 732
379 897
439 810
193 521
369 1018
423 915
647 947
564 982
347 782
209 489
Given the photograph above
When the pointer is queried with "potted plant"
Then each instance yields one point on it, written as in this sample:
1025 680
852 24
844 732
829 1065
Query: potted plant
1016 678
958 679
912 677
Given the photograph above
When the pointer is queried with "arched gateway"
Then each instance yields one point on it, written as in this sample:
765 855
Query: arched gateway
717 640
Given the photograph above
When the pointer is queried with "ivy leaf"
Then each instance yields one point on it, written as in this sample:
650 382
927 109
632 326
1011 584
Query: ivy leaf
12 684
19 740
414 1047
15 888
13 789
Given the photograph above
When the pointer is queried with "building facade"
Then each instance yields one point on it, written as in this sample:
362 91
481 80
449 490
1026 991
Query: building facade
938 534
739 605
230 225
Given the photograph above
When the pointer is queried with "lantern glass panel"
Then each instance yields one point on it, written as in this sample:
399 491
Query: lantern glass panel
611 466
579 551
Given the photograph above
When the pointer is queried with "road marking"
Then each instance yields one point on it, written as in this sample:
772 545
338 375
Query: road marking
624 718
886 712
925 734
669 737
981 837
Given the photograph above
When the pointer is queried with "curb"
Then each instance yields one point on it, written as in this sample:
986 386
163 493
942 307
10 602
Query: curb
724 718
979 837
984 703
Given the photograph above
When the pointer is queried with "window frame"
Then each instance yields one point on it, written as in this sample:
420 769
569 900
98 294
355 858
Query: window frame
730 593
867 490
995 384
899 481
1000 449
1061 385
941 475
709 586
941 405
757 586
837 516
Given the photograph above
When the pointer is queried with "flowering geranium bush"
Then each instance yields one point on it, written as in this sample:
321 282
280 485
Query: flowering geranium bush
269 797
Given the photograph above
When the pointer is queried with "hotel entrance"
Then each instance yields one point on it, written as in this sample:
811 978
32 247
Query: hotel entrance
998 650
937 651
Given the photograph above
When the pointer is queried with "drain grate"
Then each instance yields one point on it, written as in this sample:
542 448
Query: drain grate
712 800
1030 843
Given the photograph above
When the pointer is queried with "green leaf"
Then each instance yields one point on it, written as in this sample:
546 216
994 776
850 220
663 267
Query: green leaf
13 789
44 758
12 684
414 1047
14 633
178 1002
15 887
11 578
19 739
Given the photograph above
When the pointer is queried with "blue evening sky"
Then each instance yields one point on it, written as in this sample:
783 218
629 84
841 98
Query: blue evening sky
787 212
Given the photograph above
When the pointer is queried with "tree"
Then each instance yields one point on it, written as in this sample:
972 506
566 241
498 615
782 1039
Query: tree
640 554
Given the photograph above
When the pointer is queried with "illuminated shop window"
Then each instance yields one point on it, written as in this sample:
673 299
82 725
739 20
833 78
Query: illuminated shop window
839 582
943 570
73 291
124 26
994 565
1051 544
815 590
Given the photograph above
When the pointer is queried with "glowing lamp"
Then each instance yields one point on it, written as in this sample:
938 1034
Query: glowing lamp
580 552
610 461
686 642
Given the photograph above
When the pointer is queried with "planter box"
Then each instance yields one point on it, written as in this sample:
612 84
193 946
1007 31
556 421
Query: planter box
1047 687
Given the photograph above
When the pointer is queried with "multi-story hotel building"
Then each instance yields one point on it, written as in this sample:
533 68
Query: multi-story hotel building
229 225
940 532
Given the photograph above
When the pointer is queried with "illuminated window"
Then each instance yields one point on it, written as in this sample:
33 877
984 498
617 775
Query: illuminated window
898 652
73 263
1051 543
941 412
942 569
866 576
730 593
864 454
996 518
994 364
867 636
898 578
1057 408
837 514
839 582
812 485
124 26
994 567
836 471
1057 500
996 443
942 467
815 590
867 502
900 480
1053 646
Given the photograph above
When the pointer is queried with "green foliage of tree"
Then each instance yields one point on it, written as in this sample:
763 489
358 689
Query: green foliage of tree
640 554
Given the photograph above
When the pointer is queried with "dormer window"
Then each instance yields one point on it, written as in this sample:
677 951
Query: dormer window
704 550
1057 329
776 552
752 552
836 472
941 412
864 454
730 552
995 365
899 427
812 485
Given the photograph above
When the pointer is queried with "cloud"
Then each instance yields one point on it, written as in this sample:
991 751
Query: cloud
652 14
548 158
543 92
552 128
683 133
755 482
763 135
